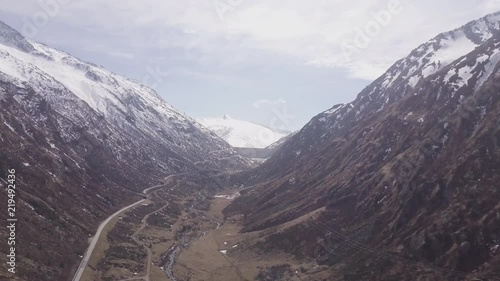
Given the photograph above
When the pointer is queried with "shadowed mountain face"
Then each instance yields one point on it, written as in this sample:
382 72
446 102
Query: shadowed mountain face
400 184
84 142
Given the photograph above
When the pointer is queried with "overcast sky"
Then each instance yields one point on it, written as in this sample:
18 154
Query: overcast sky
274 62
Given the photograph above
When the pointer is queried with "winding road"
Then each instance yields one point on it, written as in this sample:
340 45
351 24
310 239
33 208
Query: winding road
88 254
144 223
86 258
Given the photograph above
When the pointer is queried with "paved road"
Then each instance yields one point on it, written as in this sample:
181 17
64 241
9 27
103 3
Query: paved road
85 261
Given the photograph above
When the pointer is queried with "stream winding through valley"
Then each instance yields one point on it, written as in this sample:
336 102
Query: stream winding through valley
176 249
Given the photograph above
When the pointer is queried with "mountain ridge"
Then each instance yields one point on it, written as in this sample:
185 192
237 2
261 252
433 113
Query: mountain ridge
392 180
85 142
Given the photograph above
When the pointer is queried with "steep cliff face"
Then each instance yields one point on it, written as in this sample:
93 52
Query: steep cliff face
84 142
401 182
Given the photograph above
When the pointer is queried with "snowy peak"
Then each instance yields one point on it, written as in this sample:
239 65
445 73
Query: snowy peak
454 64
480 30
418 142
240 133
404 76
122 100
440 52
64 80
11 37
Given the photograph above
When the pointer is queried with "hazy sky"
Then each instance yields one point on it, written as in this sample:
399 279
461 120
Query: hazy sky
274 62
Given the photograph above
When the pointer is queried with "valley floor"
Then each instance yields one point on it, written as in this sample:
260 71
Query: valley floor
180 234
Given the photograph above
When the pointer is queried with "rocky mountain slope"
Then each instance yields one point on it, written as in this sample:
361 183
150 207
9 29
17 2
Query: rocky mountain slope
400 184
243 134
84 142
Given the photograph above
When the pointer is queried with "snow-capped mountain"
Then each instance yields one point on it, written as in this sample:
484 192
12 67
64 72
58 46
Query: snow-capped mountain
404 76
84 142
130 106
404 178
429 58
240 133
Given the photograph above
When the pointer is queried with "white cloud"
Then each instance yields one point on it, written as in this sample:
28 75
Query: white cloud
490 5
312 32
265 102
122 55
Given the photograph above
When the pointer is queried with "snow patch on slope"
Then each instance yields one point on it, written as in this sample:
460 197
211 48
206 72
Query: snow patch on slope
74 87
